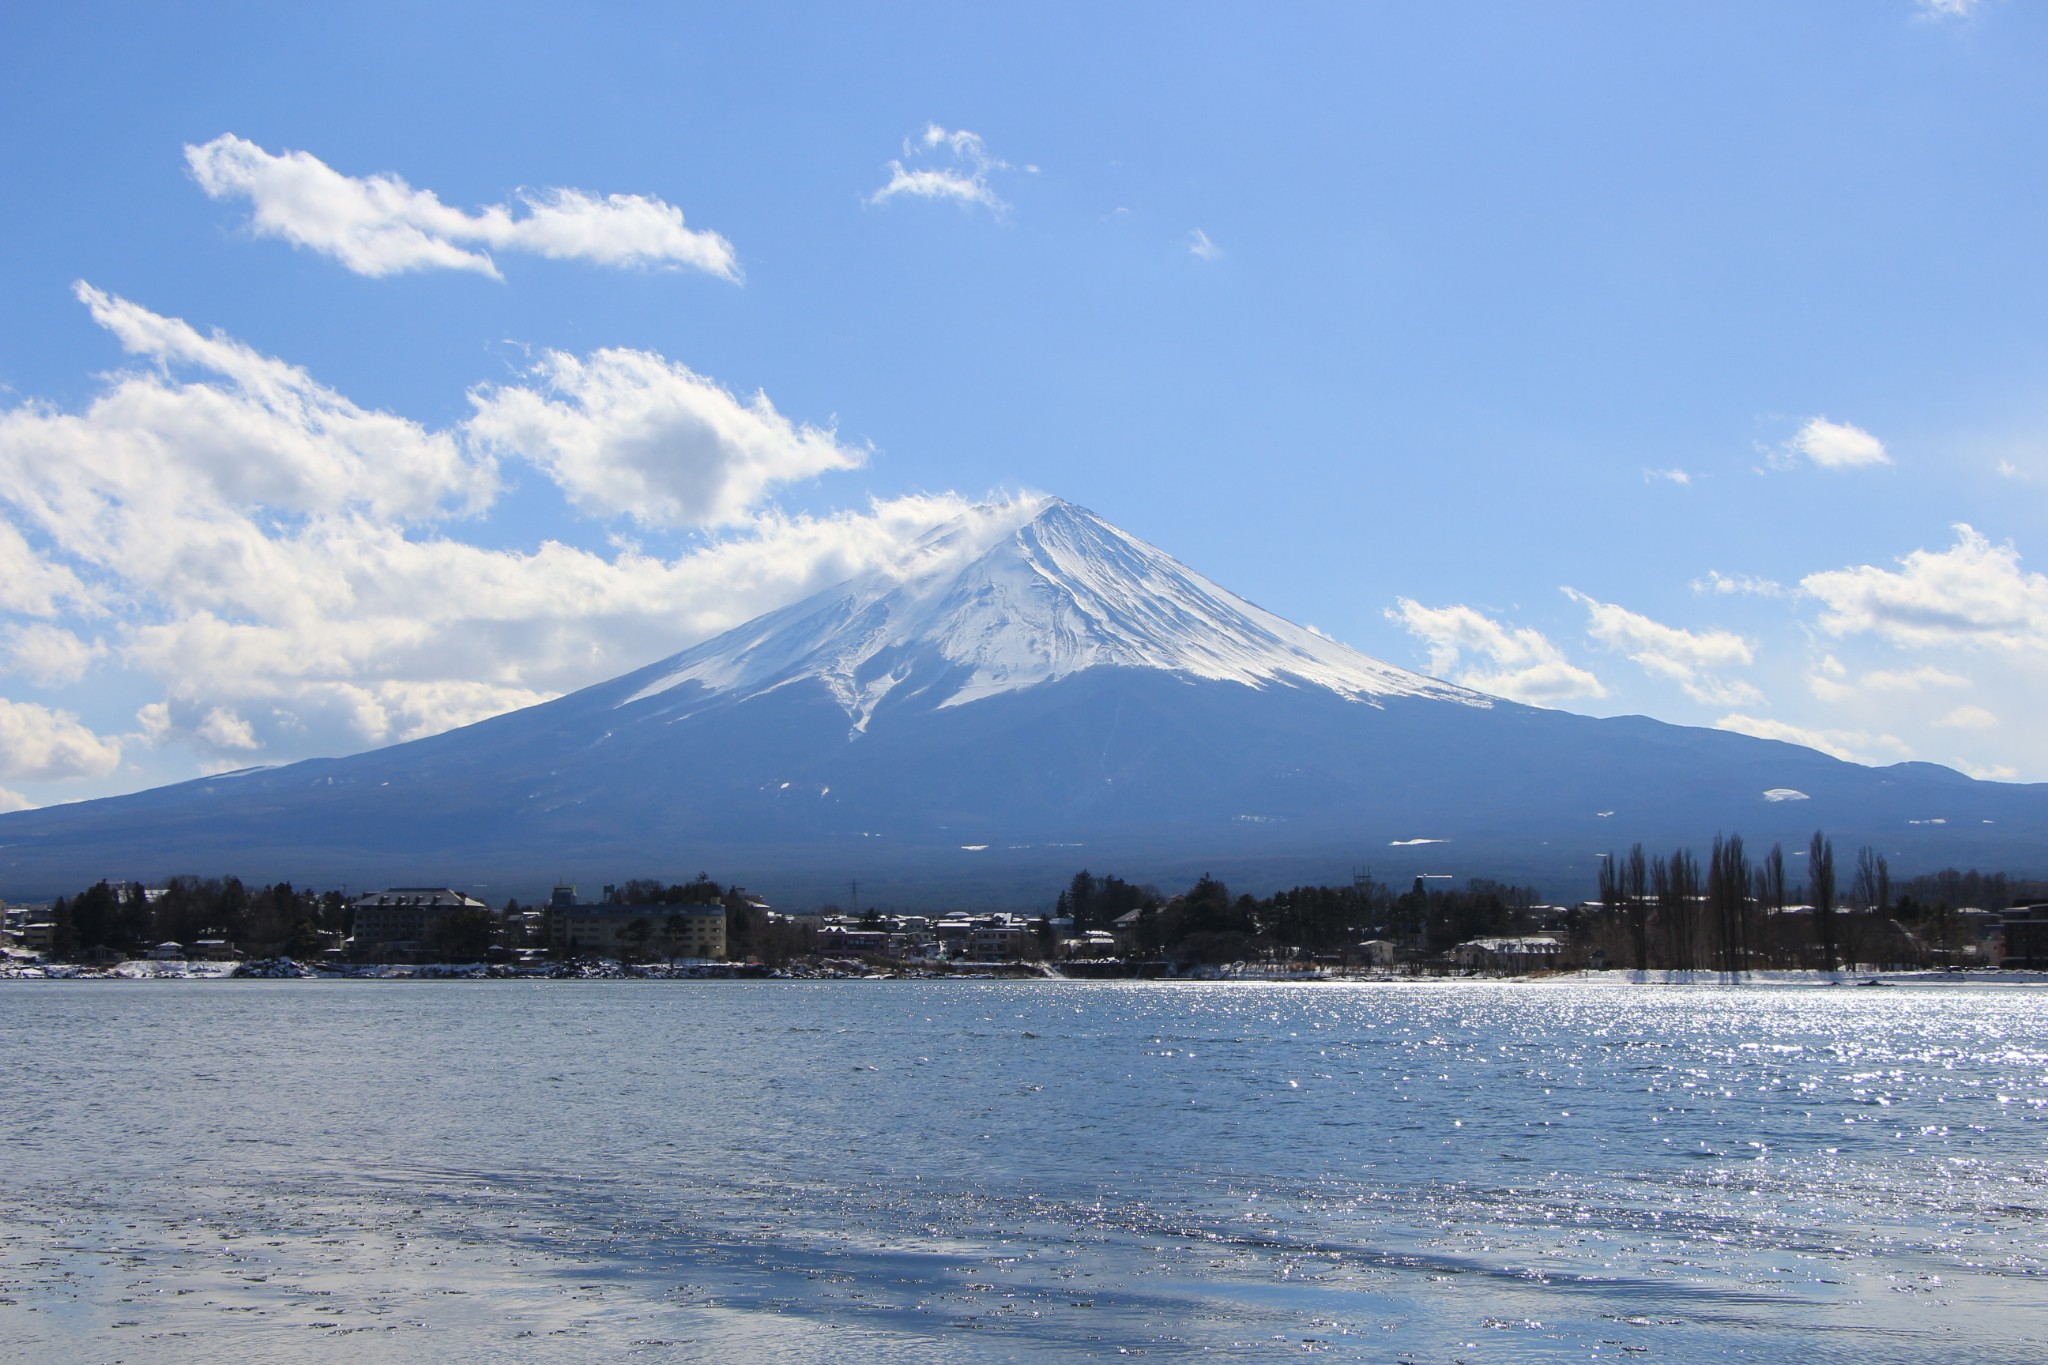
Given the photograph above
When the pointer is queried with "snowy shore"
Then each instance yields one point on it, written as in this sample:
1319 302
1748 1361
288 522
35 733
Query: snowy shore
582 969
17 968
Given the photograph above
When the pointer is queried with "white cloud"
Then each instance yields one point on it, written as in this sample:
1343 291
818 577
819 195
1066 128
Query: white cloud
1677 476
30 584
410 637
947 164
254 432
41 744
1973 593
1718 584
14 800
1692 659
296 581
1948 9
1202 248
1857 746
224 729
155 720
47 654
1525 666
1968 718
629 433
380 225
1837 445
1990 772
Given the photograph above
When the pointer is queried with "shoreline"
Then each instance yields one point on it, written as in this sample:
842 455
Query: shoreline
606 970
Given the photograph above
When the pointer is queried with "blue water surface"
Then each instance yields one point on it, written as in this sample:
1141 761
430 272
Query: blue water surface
984 1171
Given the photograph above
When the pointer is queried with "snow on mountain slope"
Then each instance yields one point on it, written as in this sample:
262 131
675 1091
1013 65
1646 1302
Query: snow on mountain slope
1011 597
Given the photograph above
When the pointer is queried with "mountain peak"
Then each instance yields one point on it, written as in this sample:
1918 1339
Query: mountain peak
1012 595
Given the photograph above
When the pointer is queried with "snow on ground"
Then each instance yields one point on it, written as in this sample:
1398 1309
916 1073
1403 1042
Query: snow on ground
1846 977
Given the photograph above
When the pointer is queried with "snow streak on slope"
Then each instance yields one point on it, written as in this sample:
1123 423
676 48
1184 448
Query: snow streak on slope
1011 597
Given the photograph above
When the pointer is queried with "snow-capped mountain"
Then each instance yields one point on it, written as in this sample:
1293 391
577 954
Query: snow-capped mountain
1016 597
1029 691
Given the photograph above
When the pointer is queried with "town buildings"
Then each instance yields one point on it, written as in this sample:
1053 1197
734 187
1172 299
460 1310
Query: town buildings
2026 937
610 929
406 921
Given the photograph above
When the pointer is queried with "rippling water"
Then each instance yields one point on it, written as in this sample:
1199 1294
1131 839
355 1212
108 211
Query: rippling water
917 1171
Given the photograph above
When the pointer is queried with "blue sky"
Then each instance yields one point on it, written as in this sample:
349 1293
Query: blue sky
368 371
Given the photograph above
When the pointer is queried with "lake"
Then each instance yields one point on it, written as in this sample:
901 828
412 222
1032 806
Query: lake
982 1171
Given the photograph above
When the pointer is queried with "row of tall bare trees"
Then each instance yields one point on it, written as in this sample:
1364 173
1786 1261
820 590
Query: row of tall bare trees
1732 915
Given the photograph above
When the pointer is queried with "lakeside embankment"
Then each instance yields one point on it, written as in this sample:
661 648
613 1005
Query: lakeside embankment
606 970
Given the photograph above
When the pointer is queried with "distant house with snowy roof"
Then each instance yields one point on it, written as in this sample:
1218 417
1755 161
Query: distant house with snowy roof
1527 953
1377 952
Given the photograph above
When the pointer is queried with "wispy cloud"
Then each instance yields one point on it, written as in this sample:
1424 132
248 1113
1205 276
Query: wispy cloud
1718 584
1832 682
942 163
1200 247
380 225
1911 680
1857 746
1515 662
1696 660
1677 476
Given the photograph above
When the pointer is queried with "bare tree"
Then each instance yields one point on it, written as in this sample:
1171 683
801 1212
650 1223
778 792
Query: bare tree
1677 882
1612 896
1872 888
1636 886
1769 901
1820 889
1727 894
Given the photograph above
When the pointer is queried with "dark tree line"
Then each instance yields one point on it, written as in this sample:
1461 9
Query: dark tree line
1206 923
1098 902
125 920
266 921
699 890
1664 911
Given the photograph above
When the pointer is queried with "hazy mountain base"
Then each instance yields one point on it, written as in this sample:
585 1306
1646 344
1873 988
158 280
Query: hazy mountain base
1151 775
